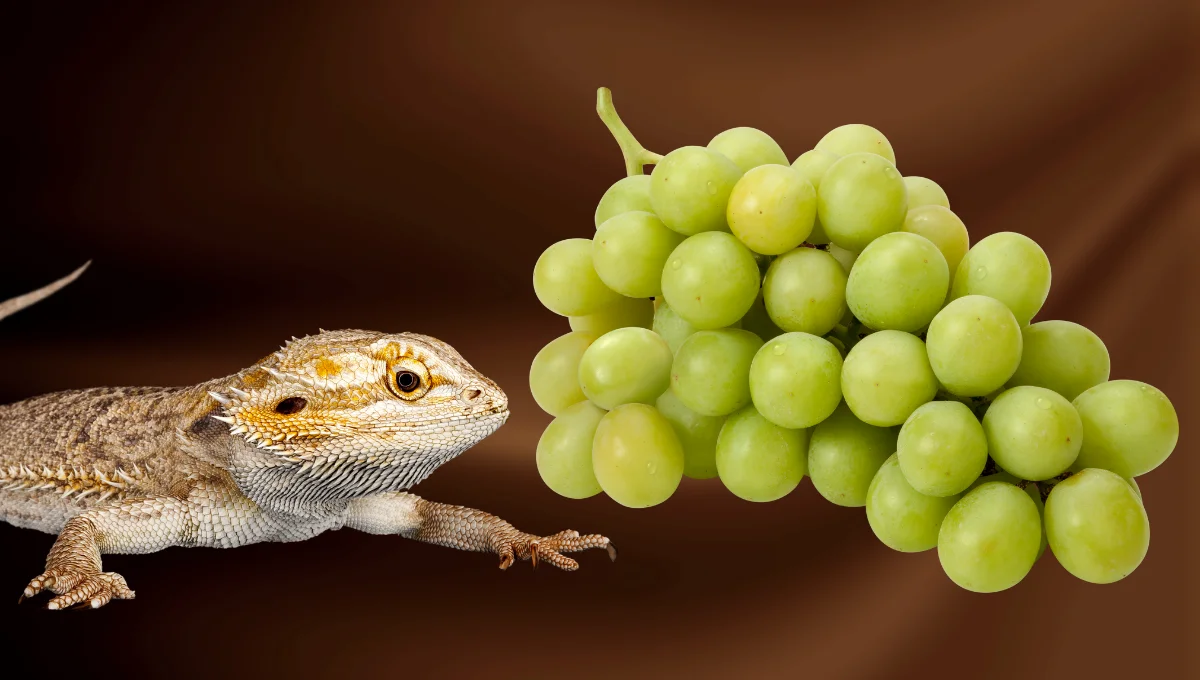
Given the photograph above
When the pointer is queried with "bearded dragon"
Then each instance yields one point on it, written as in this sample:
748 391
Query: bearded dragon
330 431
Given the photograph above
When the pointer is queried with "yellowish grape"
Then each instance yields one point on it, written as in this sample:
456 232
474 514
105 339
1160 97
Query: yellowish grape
636 456
772 209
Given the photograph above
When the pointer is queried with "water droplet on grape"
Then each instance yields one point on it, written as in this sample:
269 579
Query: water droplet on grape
981 272
651 467
1043 404
712 187
779 349
676 264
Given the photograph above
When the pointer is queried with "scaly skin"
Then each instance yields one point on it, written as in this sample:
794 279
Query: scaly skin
328 432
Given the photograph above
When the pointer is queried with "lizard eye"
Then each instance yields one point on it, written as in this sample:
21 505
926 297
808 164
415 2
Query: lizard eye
407 381
291 405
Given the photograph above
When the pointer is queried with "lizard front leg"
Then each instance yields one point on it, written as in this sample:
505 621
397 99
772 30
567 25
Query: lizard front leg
466 529
73 568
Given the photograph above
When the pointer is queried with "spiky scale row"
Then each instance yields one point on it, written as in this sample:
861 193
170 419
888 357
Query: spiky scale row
70 482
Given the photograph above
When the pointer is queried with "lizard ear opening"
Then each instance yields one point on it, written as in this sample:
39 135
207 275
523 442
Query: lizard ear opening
291 405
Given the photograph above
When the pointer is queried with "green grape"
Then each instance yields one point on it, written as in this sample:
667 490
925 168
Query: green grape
795 380
943 228
758 322
554 373
974 345
758 460
689 189
566 282
623 313
1030 489
1010 267
626 194
636 456
1061 356
844 455
1097 526
861 198
772 209
1129 427
857 138
673 328
748 148
846 258
923 191
1131 481
564 452
805 291
625 366
1136 489
886 376
812 165
629 253
902 517
989 540
898 282
697 434
711 371
942 448
710 280
1032 432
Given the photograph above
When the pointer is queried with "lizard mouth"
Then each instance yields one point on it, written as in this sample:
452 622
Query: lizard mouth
488 415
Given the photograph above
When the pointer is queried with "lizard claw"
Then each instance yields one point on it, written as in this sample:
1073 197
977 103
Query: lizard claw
79 590
551 549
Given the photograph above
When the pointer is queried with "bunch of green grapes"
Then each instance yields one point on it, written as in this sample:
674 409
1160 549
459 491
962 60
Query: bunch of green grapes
740 317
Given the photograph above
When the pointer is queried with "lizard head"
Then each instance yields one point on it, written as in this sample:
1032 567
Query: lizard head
339 402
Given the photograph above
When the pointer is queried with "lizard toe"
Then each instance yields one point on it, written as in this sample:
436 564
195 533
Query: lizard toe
92 591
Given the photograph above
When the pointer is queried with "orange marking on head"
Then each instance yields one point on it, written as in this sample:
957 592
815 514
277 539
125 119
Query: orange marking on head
392 352
327 368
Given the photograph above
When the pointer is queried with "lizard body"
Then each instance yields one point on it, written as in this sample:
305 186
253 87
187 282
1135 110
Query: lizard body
328 432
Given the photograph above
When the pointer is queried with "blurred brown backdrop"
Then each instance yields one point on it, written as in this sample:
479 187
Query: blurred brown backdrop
243 172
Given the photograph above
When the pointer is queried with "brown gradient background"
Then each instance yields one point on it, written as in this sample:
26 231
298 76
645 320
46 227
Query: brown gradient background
243 174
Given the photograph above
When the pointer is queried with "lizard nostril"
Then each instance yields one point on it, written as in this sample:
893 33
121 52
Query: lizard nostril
471 394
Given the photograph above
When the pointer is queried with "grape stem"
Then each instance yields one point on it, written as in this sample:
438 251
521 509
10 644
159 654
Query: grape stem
1047 485
850 334
636 155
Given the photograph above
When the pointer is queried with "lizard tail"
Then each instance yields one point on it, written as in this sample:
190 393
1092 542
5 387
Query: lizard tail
14 305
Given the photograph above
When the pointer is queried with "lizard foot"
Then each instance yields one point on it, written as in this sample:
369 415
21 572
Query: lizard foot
77 589
550 549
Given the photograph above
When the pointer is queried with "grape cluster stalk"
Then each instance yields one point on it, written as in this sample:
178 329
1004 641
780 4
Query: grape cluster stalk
742 317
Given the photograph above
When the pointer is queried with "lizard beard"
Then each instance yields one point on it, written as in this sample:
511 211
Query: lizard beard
354 468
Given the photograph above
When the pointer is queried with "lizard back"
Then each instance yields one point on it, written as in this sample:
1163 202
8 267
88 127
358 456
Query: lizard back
64 452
